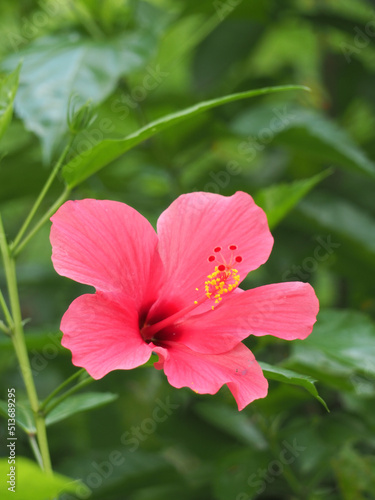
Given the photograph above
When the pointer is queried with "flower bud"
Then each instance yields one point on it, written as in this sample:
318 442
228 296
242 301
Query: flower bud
80 116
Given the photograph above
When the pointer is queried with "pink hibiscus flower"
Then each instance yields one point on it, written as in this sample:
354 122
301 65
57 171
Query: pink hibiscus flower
175 292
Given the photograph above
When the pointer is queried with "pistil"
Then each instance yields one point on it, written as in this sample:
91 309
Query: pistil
224 279
148 331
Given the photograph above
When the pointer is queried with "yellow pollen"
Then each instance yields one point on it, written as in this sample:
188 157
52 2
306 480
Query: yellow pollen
220 282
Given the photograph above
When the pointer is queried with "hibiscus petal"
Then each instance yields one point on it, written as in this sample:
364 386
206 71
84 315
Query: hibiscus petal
103 335
205 373
106 244
284 310
197 223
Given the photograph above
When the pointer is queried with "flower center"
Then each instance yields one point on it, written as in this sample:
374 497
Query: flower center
224 279
221 281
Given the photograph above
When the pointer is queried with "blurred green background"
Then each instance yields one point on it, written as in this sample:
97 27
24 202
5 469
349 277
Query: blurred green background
308 158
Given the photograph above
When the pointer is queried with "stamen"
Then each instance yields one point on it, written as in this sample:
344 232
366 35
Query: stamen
223 280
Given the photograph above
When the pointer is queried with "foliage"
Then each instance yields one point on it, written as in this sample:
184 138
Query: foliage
128 75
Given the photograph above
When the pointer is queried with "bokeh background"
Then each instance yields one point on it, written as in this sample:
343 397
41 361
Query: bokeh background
308 158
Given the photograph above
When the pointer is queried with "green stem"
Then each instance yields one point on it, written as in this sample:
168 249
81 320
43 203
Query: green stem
289 476
34 446
61 387
64 196
4 328
20 349
66 394
42 195
292 480
4 307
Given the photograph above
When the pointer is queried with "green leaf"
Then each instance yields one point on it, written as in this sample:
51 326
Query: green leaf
8 89
127 471
33 484
237 474
57 67
287 44
104 152
210 65
77 403
24 416
322 437
36 341
277 201
351 225
291 377
304 131
345 336
355 474
232 422
22 161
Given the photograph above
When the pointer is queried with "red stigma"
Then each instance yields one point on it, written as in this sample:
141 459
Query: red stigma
224 262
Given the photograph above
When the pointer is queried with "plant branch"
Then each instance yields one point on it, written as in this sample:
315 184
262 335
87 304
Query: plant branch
64 196
289 476
34 446
66 394
20 348
42 195
4 307
4 328
61 387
